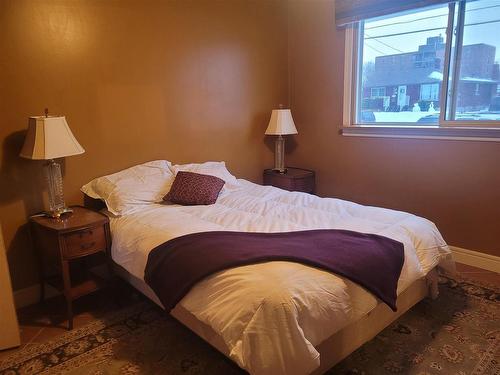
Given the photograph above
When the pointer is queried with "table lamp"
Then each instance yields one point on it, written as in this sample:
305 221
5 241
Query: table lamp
281 124
48 138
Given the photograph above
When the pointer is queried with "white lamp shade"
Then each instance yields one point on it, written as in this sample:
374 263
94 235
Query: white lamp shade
281 123
49 138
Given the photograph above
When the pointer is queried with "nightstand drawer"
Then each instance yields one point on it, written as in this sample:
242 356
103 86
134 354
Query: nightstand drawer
84 241
295 179
305 185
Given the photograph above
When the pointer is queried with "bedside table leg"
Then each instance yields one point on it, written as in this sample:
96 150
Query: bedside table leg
41 268
70 313
67 292
42 290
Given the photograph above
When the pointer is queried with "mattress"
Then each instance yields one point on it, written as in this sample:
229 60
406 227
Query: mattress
272 316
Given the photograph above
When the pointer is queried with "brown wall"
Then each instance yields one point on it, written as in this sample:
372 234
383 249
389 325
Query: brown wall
137 80
456 184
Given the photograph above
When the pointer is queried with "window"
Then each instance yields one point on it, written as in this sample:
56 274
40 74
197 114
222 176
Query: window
434 67
429 91
476 90
377 92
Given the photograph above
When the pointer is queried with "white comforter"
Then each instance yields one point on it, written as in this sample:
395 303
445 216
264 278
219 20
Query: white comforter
272 315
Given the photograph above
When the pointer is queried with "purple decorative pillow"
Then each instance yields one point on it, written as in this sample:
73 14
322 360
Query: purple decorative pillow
190 189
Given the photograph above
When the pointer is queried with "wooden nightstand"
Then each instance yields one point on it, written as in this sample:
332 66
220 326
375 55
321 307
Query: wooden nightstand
63 244
295 179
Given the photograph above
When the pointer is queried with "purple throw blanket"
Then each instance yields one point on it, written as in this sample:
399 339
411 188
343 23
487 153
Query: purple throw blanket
372 261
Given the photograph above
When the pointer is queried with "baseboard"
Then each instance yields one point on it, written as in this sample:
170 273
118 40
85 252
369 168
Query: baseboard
476 259
31 295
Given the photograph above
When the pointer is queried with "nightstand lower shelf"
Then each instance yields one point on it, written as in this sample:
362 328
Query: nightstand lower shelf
80 285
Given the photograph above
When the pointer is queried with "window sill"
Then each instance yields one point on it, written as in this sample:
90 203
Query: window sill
428 132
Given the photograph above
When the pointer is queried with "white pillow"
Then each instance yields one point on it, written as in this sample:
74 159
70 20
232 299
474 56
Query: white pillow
212 168
134 188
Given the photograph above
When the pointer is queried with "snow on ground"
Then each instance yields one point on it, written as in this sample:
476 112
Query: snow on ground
400 116
387 117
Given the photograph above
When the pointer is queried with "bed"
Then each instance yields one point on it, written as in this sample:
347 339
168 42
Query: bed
282 317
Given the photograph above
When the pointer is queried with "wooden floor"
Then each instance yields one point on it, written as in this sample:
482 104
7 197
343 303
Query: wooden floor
43 322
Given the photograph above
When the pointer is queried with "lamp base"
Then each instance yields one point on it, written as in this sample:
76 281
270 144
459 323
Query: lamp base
279 155
280 170
57 213
55 189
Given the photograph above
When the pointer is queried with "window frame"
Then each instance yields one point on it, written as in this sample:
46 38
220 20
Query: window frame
445 128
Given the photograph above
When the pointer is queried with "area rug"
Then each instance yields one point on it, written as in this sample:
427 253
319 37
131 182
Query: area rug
459 333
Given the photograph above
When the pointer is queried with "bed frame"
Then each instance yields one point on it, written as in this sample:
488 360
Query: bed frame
332 350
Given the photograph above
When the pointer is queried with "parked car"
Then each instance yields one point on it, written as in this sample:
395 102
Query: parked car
430 119
468 117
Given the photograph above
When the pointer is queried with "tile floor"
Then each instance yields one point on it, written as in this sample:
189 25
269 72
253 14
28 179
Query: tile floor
42 322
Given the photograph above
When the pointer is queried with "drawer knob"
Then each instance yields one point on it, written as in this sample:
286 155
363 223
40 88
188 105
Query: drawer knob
89 232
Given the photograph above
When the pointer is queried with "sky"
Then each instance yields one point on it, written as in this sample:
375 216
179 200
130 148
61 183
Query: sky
378 41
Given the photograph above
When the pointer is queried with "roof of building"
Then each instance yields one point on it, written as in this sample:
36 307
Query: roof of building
396 77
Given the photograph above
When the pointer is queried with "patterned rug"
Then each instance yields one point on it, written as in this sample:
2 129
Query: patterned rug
459 333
